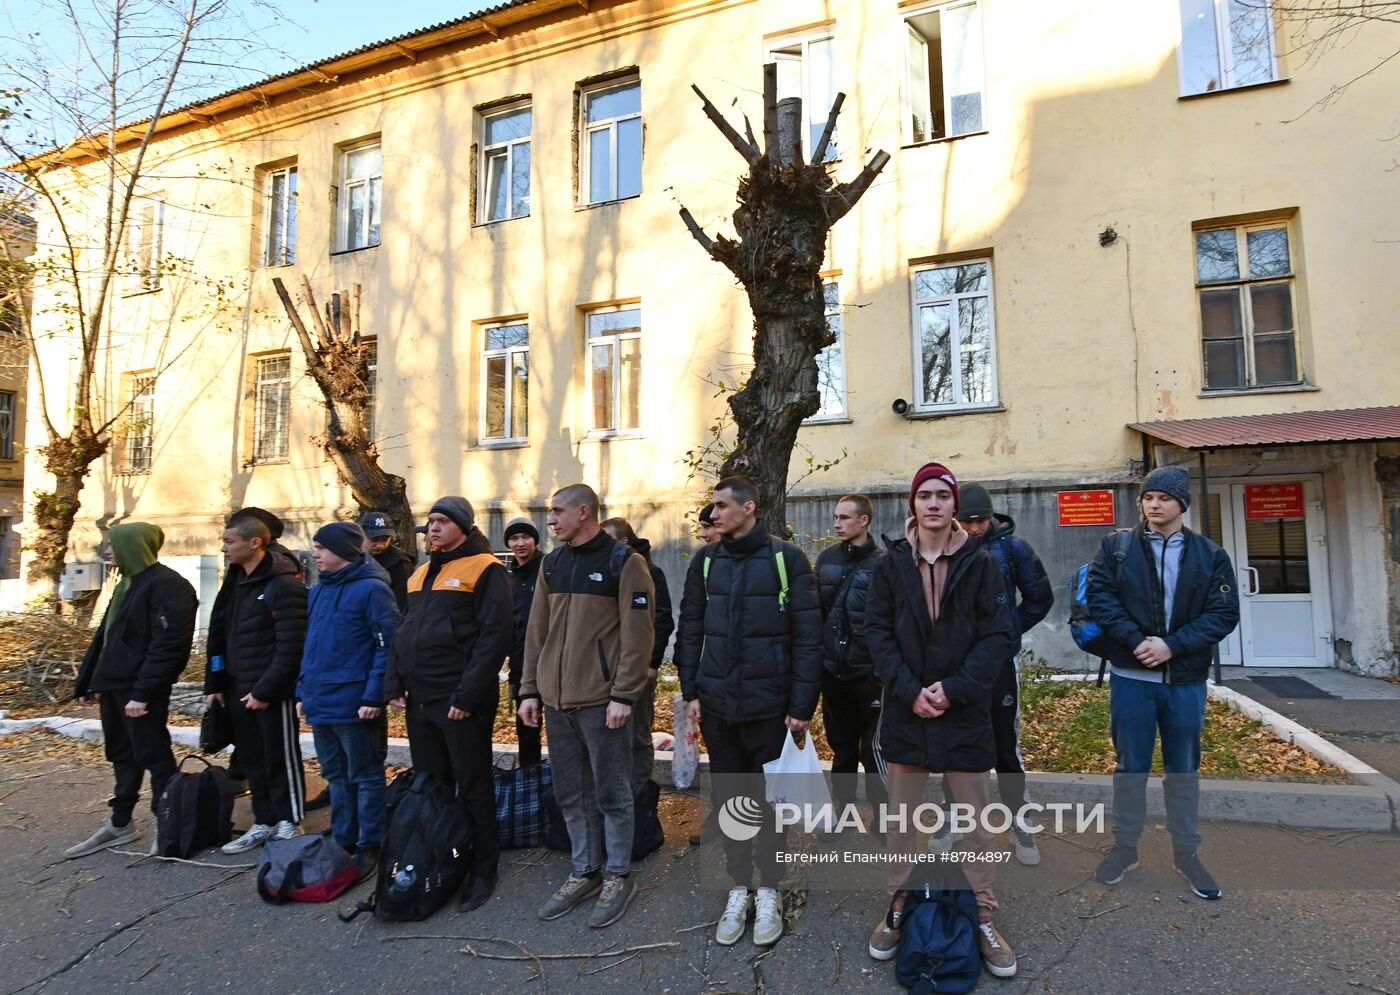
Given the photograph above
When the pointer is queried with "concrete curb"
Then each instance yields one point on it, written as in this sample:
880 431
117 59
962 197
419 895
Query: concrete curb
1316 806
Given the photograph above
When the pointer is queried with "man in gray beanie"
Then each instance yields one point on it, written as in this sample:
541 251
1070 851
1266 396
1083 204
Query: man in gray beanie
1165 602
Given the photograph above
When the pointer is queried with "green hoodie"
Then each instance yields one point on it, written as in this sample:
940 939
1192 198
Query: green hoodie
134 547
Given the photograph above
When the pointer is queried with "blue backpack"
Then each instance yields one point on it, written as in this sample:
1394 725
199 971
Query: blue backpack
1088 634
938 949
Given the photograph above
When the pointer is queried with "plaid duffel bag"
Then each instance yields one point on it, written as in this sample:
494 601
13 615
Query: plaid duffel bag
525 808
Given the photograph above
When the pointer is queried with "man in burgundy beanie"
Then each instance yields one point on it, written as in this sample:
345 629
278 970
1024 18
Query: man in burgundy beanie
938 628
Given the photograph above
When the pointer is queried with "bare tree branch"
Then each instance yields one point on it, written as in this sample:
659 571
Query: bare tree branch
819 150
745 148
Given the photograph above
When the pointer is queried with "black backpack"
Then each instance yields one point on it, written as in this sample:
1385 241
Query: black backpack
427 850
647 834
195 811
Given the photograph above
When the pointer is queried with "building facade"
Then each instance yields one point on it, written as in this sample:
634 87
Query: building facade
1097 215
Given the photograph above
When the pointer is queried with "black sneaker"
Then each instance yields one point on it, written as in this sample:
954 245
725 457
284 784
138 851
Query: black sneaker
1189 866
366 863
323 800
1120 861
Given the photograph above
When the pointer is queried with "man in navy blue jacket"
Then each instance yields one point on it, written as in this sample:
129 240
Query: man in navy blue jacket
1165 606
350 625
1030 598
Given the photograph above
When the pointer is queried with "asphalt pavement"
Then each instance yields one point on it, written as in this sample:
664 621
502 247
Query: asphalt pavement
1304 912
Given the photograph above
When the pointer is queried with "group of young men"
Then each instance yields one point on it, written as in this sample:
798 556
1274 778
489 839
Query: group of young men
910 650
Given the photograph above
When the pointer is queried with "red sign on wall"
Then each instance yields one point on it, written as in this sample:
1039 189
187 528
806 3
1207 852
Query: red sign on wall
1274 500
1086 507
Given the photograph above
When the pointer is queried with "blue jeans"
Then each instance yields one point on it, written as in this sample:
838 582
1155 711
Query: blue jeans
1138 710
351 765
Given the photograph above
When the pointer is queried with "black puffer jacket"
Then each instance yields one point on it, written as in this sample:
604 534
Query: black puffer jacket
1129 603
257 630
1023 573
458 630
843 572
662 614
399 566
522 594
965 649
744 655
147 645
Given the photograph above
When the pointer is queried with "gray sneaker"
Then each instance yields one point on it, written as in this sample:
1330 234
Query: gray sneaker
616 895
1026 850
570 893
286 830
257 836
108 835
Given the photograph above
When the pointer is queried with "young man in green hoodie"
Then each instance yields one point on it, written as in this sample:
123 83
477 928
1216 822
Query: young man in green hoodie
137 654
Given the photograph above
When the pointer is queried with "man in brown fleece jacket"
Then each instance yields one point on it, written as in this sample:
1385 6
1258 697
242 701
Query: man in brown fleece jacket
587 650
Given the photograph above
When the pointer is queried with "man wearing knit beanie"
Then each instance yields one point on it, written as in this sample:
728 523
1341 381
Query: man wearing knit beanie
1164 601
938 629
523 540
350 627
445 668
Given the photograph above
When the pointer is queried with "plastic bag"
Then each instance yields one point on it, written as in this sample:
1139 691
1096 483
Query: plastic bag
796 778
686 756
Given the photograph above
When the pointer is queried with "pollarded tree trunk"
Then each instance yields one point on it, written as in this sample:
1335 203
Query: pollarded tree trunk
338 361
786 207
68 458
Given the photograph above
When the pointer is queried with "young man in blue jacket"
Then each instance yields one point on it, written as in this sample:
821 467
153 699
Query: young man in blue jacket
1030 597
351 617
1165 606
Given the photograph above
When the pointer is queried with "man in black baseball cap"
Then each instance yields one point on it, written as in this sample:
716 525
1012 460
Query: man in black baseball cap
379 543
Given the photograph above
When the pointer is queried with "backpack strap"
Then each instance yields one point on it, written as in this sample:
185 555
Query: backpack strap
705 560
1123 540
781 562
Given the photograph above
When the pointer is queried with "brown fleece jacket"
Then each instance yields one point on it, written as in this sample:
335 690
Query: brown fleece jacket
590 634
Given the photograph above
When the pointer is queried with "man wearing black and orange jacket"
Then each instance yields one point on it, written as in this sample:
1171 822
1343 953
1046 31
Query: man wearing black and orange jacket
587 650
446 660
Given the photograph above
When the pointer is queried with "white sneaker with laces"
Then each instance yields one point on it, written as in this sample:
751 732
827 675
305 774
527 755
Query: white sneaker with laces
256 836
734 918
767 917
286 830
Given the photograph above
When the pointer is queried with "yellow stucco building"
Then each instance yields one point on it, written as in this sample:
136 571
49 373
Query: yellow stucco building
1098 214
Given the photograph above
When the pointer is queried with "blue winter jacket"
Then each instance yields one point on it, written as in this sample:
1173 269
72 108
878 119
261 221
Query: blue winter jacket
352 617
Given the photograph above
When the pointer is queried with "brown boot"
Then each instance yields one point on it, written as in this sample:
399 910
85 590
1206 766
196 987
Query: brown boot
996 952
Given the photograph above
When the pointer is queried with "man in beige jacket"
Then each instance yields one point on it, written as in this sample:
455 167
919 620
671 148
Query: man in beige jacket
587 650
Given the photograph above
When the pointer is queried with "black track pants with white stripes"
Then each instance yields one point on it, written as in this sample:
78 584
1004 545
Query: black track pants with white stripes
270 754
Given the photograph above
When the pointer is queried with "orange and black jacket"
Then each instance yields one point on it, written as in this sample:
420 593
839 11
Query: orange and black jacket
591 632
457 632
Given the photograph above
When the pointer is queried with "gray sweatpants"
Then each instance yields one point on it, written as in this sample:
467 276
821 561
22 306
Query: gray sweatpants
592 766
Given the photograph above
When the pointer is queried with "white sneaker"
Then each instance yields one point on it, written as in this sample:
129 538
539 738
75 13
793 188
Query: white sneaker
108 835
767 917
734 918
286 830
1026 850
256 836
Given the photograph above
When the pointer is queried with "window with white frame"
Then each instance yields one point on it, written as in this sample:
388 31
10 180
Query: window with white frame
138 445
505 164
7 424
505 382
1225 44
272 407
280 216
807 70
831 361
611 150
360 199
1245 285
954 336
144 235
944 77
615 368
371 385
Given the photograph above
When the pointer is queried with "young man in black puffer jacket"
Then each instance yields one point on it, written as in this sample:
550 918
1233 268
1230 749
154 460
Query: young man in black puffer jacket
256 635
140 648
523 541
749 656
850 692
